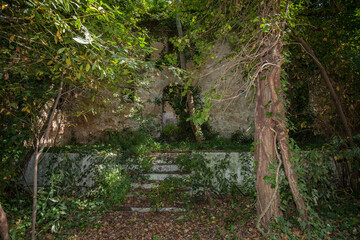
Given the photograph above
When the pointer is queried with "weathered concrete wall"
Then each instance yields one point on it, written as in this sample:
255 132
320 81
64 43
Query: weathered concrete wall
227 115
234 111
82 167
240 165
58 163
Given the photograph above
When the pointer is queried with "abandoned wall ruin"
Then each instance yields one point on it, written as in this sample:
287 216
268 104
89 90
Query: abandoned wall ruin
227 115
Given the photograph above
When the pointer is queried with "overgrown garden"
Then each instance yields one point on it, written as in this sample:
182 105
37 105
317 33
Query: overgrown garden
296 61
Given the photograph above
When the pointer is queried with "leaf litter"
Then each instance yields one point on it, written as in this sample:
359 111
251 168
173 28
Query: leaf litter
215 218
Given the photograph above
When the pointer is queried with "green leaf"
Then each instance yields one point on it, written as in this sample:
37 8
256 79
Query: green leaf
268 104
268 114
268 179
68 61
60 50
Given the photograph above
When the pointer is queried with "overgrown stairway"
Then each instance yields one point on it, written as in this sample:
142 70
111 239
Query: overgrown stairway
146 193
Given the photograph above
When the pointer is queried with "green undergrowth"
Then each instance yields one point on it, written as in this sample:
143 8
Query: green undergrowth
208 180
336 219
331 192
57 211
220 145
141 142
62 204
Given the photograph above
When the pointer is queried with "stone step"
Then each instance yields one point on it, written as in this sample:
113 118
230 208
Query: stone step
168 154
159 161
162 209
143 186
165 157
148 201
157 167
165 168
139 200
136 194
136 185
162 175
144 192
140 192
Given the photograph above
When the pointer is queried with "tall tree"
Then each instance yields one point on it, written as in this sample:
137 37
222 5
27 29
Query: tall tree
326 34
270 122
40 143
328 84
80 46
196 129
268 198
327 39
258 44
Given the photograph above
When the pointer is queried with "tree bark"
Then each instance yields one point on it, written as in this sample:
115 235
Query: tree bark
271 127
4 228
196 129
279 119
39 148
191 107
329 86
264 156
268 198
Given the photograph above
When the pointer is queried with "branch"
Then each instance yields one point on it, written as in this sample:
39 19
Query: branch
39 148
326 78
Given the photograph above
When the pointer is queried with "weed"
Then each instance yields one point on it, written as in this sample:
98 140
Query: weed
171 190
207 177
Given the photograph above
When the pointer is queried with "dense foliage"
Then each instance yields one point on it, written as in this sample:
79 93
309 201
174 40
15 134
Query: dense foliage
87 46
332 29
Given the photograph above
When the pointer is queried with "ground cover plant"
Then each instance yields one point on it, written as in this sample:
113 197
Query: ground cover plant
211 213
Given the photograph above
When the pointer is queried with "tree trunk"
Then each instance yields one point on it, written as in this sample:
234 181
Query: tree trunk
264 156
268 198
270 127
39 148
4 228
191 107
329 86
196 129
279 120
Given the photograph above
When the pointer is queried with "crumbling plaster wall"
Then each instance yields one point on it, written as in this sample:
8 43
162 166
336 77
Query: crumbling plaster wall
227 115
235 110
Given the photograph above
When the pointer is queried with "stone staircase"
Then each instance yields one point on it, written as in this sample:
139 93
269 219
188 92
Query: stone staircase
143 191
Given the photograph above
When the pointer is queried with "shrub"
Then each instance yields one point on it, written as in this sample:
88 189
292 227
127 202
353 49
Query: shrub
114 183
207 176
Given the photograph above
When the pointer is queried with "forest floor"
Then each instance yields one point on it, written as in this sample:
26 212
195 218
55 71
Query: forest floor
227 218
221 218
